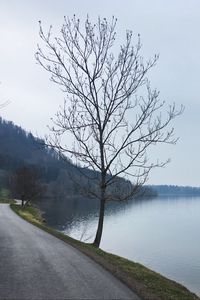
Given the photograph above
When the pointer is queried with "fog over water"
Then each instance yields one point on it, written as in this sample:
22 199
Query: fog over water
161 233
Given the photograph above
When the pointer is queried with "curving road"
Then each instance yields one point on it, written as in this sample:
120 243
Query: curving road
36 265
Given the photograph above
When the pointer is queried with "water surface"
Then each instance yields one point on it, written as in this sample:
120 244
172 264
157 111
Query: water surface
161 233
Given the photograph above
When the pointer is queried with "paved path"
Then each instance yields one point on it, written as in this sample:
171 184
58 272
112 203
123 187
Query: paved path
36 265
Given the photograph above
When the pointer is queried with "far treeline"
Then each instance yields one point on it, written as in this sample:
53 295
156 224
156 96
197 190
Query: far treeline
174 190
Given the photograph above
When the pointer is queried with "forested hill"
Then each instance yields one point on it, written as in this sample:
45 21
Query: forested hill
174 190
19 148
19 144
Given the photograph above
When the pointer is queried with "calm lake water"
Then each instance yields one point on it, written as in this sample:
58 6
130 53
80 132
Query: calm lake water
161 233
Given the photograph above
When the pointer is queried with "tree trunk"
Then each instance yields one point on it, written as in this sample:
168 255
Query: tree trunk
103 186
100 224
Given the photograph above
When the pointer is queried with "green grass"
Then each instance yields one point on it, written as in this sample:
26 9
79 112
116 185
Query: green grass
147 283
6 201
5 196
29 213
4 193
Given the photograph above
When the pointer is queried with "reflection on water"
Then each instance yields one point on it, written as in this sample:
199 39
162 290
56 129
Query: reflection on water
161 233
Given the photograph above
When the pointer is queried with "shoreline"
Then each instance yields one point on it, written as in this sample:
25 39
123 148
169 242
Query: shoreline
147 283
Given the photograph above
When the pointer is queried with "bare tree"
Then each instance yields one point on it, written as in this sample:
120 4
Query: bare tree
111 124
26 185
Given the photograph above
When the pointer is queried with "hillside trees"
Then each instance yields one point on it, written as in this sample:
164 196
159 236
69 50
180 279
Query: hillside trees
26 184
110 109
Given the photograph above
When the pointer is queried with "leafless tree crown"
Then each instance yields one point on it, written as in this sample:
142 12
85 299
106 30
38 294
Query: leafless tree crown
112 125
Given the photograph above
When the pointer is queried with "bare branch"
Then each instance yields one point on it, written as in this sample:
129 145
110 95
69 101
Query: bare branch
110 109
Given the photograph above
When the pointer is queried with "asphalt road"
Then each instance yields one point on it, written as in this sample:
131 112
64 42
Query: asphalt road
36 265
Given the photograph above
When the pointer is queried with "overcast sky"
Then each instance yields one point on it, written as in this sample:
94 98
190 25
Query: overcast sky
169 28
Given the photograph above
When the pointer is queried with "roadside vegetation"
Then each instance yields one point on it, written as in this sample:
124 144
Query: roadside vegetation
5 196
145 282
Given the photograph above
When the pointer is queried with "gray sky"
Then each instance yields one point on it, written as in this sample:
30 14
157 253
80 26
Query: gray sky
169 28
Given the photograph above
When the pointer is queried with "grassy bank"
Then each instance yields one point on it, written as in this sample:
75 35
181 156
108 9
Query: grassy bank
4 200
5 196
147 283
